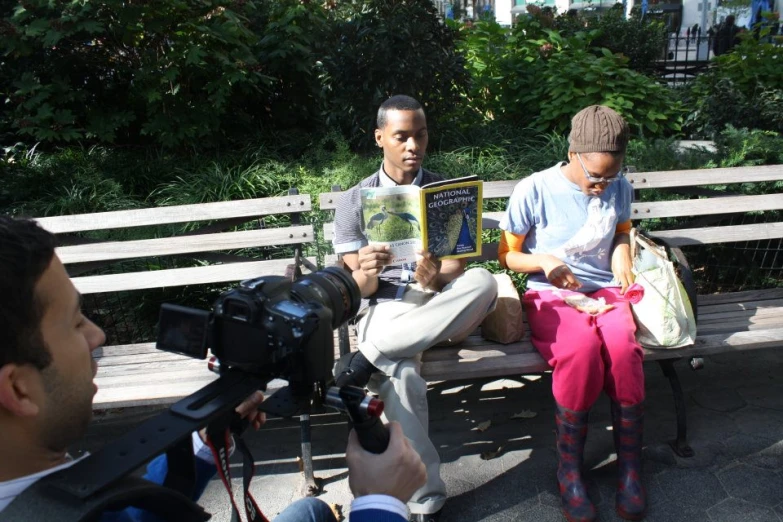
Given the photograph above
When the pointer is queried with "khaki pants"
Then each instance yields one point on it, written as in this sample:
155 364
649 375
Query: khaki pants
393 335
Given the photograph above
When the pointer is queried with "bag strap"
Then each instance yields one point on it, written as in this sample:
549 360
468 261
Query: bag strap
639 239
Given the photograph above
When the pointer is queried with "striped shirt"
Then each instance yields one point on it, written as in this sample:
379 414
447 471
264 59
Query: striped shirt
349 235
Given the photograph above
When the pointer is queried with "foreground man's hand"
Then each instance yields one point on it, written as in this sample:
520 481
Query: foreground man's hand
248 409
397 472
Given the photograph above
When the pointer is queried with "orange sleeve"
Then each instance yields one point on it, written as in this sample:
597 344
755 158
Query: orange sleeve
623 228
509 242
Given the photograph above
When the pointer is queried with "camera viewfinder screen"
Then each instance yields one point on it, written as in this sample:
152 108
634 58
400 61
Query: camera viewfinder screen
183 330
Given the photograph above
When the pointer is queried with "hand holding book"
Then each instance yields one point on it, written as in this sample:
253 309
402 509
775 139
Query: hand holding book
427 269
443 218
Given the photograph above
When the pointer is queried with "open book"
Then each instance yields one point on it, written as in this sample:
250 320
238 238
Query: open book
443 217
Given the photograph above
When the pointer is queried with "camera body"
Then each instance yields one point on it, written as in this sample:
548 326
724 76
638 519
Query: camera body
268 326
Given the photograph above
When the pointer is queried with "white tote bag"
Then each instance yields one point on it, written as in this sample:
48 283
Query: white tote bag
664 316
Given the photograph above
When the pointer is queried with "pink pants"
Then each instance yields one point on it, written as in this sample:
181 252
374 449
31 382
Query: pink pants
589 353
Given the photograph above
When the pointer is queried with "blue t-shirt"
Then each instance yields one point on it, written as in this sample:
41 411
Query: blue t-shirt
557 218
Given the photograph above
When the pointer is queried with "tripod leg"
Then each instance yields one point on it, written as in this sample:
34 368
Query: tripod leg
310 487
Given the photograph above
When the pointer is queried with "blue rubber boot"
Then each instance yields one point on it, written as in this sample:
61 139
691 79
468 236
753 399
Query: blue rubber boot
571 435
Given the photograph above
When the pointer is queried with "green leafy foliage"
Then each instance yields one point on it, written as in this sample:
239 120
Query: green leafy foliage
535 76
292 35
574 78
744 148
742 89
641 40
171 73
379 48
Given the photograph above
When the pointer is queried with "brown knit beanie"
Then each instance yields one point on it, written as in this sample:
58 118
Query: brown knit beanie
598 129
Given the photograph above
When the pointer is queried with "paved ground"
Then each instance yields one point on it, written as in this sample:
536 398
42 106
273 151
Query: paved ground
735 408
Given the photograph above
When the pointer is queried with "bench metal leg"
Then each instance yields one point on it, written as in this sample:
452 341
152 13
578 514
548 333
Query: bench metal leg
680 444
310 487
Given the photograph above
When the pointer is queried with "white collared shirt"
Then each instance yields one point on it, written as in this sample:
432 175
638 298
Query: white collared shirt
386 181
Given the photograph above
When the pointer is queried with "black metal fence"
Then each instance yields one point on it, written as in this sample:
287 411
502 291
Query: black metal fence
684 57
740 265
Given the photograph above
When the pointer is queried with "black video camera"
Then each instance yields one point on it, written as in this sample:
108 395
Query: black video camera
268 326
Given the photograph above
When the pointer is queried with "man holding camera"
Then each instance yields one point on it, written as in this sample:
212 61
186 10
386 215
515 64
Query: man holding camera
406 309
47 389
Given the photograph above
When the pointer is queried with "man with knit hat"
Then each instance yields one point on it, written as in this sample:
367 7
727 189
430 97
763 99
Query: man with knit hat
568 228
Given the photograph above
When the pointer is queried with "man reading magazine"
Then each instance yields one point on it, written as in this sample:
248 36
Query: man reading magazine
406 308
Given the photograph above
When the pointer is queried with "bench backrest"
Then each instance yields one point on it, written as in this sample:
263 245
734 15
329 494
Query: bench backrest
146 250
709 203
89 255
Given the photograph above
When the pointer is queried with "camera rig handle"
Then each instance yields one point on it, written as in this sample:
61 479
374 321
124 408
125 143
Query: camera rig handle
364 412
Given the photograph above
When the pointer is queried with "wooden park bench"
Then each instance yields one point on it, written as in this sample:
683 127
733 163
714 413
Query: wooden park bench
702 215
172 246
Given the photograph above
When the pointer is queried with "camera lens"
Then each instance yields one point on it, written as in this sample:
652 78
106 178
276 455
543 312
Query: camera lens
335 289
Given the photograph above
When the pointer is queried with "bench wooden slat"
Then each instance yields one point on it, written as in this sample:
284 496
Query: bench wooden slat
706 206
741 324
660 209
741 296
708 311
687 178
109 352
755 312
181 276
725 234
146 369
150 391
476 347
495 363
176 214
113 364
640 180
456 369
114 250
724 342
329 231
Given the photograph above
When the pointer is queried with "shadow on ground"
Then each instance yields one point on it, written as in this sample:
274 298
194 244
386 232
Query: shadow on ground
735 408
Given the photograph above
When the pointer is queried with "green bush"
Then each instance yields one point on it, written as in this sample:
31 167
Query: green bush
109 70
292 35
741 89
745 148
212 72
535 77
641 40
169 73
574 78
379 48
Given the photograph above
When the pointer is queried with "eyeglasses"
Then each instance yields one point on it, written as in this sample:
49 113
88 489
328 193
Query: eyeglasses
594 179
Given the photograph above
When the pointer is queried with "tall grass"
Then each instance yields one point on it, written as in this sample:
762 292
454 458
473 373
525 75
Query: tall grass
80 180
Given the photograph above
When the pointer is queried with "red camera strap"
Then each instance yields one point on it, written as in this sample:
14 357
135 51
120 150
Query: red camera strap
219 441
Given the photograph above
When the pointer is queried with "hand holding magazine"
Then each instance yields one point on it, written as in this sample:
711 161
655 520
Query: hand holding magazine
443 218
